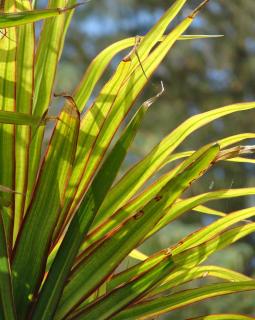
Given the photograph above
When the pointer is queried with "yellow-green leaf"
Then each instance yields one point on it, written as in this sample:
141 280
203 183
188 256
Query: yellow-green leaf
30 251
226 316
24 96
156 307
14 19
143 170
8 46
7 309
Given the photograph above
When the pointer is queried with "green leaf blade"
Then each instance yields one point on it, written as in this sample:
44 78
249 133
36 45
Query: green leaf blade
137 175
36 233
116 300
184 275
24 95
48 52
15 19
117 110
197 254
227 316
181 299
6 292
18 118
94 197
87 275
8 48
190 203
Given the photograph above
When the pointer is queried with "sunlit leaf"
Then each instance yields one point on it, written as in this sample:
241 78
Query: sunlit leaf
88 208
30 251
168 303
126 237
48 52
191 203
7 309
24 100
8 47
14 19
227 316
143 170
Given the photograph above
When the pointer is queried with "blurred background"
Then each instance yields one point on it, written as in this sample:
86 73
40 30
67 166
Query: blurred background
198 75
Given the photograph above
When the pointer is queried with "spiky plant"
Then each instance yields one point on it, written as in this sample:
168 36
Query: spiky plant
66 224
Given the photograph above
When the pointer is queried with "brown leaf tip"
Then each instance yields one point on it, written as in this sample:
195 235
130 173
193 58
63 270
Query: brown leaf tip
198 9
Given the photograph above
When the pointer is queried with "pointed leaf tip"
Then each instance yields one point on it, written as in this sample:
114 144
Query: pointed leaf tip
198 9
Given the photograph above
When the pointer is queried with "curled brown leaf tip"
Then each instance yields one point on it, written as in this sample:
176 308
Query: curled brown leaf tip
150 101
235 151
71 106
62 10
198 9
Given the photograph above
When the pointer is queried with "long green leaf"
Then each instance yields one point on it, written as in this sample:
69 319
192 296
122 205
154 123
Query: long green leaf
215 228
18 118
154 35
33 242
174 279
165 304
111 115
15 19
117 299
118 78
195 255
53 287
99 64
136 270
223 144
226 316
6 294
8 46
110 167
90 129
97 235
119 147
24 95
187 204
192 257
184 275
126 237
107 305
170 214
151 191
143 170
48 53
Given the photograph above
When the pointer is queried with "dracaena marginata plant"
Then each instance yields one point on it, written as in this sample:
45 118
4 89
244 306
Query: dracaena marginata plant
66 222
